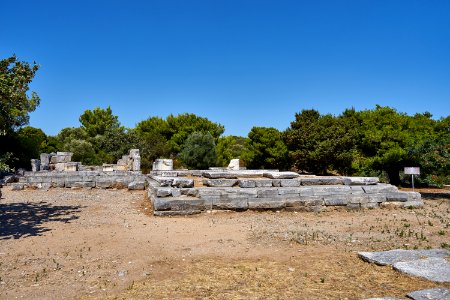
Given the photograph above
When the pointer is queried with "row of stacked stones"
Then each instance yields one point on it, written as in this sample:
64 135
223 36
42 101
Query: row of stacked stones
57 170
188 192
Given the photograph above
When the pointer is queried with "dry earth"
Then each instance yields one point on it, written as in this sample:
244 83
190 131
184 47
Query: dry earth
98 244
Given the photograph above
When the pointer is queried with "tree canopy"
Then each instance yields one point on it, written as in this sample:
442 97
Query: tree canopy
15 103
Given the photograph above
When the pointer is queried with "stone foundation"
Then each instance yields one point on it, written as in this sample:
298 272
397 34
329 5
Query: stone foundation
188 192
132 180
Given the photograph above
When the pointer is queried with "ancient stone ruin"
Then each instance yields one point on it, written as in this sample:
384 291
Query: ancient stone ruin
175 192
58 170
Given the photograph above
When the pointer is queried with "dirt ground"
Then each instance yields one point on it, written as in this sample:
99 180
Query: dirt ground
99 244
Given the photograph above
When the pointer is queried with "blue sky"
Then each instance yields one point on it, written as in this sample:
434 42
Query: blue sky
239 63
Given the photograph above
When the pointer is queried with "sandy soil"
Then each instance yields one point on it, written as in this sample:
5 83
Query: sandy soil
93 244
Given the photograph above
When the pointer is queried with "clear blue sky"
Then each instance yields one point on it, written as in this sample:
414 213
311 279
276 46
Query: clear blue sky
239 63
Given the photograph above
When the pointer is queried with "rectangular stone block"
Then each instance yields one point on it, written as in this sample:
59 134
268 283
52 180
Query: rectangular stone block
336 200
183 182
178 204
136 185
361 180
58 183
220 182
210 192
397 197
322 180
304 201
330 190
235 204
306 191
266 203
281 175
276 182
290 183
17 186
263 182
247 183
104 182
267 193
192 192
356 190
379 188
370 205
240 193
376 198
81 184
358 199
289 191
163 192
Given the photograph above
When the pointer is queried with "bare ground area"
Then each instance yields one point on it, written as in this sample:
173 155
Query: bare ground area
100 244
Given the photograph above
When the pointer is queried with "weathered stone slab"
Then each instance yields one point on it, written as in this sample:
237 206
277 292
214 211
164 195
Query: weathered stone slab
402 196
80 184
163 165
231 193
104 182
35 165
234 164
183 182
230 204
290 182
17 186
390 257
263 182
281 175
356 190
289 191
379 188
330 190
247 183
433 268
178 204
163 192
304 201
322 180
414 203
336 200
430 294
266 203
217 175
136 185
376 198
192 192
361 180
267 193
220 182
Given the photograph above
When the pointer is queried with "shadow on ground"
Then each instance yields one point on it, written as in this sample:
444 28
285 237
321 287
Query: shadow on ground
19 220
434 196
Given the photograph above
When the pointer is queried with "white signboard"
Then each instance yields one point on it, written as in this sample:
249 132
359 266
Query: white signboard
412 170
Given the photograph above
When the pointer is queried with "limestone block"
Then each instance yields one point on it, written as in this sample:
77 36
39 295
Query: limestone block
58 182
192 192
35 165
304 201
263 182
210 193
353 206
104 182
281 175
217 175
136 166
134 153
306 191
413 203
336 200
82 184
121 183
356 190
266 203
246 183
231 193
108 167
267 193
361 180
60 167
120 168
183 182
169 173
71 166
136 185
436 269
290 182
370 205
45 161
322 180
220 182
178 204
163 192
378 198
234 164
17 186
397 197
163 165
289 191
379 188
390 257
327 190
358 199
229 204
61 157
276 182
439 293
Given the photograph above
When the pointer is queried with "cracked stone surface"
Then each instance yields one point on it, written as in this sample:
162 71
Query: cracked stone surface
430 294
433 268
391 257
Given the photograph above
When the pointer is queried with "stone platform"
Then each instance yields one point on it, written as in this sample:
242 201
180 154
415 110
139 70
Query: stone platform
189 192
132 180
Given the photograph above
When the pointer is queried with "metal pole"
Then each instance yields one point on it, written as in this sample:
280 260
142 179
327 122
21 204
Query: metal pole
413 181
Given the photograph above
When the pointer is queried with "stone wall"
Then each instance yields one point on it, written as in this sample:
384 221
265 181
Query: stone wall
259 190
132 180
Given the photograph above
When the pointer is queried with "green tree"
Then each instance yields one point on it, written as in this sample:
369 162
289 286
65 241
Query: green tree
228 148
15 104
265 149
183 125
83 151
199 151
322 143
97 121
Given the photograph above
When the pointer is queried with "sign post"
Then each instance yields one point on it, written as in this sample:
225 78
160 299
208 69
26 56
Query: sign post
412 171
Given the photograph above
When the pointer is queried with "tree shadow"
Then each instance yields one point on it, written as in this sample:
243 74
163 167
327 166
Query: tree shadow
435 196
19 220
